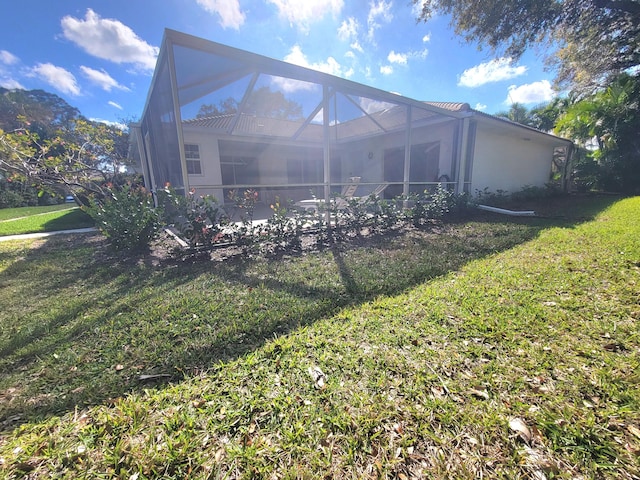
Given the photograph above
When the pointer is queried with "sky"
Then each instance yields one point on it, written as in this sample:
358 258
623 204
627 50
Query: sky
100 55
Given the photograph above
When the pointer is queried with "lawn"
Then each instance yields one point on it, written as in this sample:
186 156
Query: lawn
494 347
15 221
11 213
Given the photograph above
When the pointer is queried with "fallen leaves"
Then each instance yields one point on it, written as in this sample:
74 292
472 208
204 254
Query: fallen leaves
481 394
318 377
518 426
635 431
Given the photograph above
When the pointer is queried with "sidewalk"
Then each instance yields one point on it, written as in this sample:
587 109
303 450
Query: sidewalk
27 236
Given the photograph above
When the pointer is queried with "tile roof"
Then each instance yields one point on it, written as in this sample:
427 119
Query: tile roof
389 119
452 106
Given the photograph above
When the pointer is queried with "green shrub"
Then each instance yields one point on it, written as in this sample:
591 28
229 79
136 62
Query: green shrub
497 199
200 220
11 199
529 192
127 217
204 224
282 232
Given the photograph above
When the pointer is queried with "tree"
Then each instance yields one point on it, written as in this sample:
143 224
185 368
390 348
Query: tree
82 157
262 102
46 143
611 117
45 112
597 39
517 113
545 117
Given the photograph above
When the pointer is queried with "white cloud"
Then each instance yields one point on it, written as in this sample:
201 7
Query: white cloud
118 125
59 78
386 69
399 58
426 38
114 104
297 57
109 39
480 106
536 92
229 10
348 30
8 58
403 58
10 84
492 71
6 80
102 79
372 106
378 12
303 12
356 46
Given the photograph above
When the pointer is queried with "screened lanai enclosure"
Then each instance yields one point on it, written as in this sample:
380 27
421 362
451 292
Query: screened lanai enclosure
219 119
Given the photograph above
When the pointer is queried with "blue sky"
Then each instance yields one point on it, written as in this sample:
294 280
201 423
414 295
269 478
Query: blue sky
99 55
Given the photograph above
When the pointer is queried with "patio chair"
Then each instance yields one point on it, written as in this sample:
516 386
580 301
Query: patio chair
348 190
376 192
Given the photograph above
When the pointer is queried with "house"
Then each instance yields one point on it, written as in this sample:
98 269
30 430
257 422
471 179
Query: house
219 119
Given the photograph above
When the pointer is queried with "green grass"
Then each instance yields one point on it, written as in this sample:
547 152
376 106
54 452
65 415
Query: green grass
431 344
43 219
10 213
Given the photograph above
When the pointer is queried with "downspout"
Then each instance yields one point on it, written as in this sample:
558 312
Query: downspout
462 154
407 153
469 157
326 133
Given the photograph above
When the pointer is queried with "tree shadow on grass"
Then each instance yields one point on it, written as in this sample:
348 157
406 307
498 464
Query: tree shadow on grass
93 323
73 219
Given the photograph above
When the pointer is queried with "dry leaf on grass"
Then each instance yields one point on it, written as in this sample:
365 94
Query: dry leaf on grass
541 464
438 392
520 427
634 430
318 376
482 394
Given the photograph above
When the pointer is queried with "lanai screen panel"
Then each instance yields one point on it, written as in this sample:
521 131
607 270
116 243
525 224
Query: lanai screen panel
280 107
356 117
160 135
253 100
209 85
237 98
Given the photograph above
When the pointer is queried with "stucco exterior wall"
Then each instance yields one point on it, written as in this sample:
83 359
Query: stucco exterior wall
209 162
508 158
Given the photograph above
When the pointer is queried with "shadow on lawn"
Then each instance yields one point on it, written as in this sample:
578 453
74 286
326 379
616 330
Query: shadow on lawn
98 326
73 219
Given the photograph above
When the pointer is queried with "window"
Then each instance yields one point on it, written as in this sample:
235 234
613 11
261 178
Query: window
192 156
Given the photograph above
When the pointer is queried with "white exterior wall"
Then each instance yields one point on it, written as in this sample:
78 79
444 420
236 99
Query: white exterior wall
504 159
209 162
